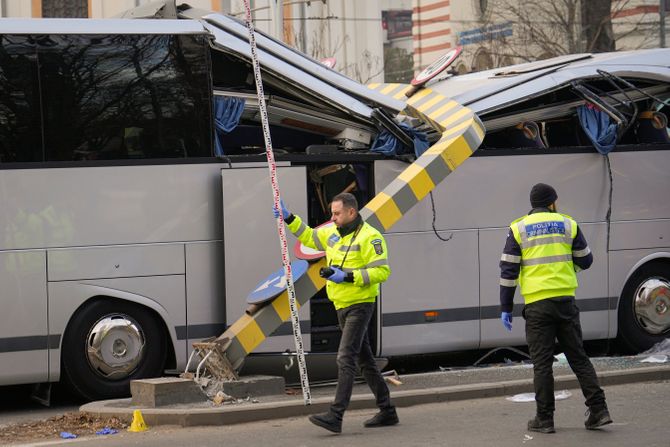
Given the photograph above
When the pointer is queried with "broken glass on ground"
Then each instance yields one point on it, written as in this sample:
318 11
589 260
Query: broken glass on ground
530 397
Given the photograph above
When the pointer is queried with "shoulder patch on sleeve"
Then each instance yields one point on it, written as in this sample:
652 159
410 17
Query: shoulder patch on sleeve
377 244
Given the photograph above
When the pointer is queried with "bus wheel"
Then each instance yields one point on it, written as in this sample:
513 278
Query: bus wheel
107 344
644 308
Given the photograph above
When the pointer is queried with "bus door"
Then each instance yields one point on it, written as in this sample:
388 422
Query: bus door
251 246
326 180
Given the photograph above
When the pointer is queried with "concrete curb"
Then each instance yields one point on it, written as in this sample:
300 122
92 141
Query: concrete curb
234 414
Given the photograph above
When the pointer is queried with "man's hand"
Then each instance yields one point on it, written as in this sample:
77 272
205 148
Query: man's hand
285 213
506 318
337 276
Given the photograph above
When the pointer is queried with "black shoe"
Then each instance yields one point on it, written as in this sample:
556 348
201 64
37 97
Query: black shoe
541 425
596 419
327 421
383 419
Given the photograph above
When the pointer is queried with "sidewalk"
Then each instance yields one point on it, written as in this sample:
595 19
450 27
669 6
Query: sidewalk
451 385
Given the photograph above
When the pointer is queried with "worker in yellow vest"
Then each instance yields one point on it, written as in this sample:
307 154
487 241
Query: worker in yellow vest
543 251
357 261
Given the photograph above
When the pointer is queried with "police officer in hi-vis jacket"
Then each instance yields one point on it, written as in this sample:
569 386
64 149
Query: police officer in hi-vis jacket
356 255
543 251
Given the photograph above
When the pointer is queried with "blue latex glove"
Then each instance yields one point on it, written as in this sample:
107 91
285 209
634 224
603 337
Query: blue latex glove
106 431
285 213
506 318
337 276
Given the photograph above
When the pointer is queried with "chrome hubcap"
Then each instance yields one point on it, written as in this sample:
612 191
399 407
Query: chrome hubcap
652 305
115 346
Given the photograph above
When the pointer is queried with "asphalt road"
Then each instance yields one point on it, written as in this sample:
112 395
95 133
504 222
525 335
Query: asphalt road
639 412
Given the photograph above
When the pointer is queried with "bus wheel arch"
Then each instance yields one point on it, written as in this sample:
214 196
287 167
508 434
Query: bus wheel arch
110 341
644 306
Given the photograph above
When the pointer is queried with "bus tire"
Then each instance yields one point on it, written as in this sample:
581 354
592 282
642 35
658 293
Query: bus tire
642 322
107 344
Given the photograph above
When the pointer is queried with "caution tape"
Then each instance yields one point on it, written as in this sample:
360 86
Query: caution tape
295 322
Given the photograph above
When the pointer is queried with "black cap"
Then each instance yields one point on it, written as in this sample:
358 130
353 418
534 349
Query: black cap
542 195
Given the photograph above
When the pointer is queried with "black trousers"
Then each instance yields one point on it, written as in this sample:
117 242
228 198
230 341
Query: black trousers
547 320
355 346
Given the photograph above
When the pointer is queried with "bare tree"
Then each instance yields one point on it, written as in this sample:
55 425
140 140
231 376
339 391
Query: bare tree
398 65
544 29
597 25
366 67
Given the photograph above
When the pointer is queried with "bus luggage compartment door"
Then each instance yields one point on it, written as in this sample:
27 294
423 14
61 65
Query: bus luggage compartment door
24 336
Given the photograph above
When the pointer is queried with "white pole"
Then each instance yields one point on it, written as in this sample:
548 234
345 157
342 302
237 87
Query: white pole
295 322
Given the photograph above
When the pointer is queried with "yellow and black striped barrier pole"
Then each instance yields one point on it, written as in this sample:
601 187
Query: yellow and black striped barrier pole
461 134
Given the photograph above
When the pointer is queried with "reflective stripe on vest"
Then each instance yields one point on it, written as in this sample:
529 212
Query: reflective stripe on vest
345 248
581 253
546 260
510 258
508 282
317 243
300 229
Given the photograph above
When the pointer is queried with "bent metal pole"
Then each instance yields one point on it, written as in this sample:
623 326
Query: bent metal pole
295 322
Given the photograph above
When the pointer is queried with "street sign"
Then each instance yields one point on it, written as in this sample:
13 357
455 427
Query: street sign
275 284
301 251
436 67
329 62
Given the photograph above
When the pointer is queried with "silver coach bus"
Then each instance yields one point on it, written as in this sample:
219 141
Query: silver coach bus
131 226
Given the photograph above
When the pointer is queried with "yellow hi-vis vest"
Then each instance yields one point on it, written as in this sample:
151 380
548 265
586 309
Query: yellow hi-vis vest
367 259
547 269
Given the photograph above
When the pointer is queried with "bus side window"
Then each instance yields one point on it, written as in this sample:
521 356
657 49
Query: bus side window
125 96
564 132
20 122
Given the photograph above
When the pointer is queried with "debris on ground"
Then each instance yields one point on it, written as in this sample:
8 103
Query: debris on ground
213 388
392 377
662 347
530 397
220 397
658 358
658 353
77 424
393 381
107 431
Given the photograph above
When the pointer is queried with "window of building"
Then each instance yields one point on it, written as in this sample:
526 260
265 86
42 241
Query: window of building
65 8
483 61
482 7
397 23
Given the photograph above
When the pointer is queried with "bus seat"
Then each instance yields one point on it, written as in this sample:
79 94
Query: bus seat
524 134
652 128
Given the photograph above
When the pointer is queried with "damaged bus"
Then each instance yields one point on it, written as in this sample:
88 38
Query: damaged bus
137 208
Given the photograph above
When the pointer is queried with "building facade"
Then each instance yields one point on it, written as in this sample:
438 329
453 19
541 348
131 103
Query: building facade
501 32
391 40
